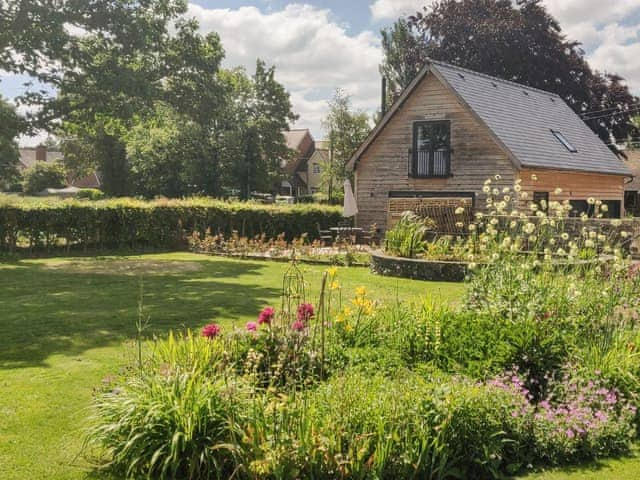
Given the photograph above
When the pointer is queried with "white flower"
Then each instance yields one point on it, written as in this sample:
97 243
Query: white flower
507 198
557 191
513 224
589 244
506 190
565 236
533 238
561 252
602 238
593 234
517 188
591 201
624 234
459 210
604 208
487 181
472 228
494 221
552 241
534 177
459 224
498 177
524 195
616 222
496 191
529 228
486 189
533 207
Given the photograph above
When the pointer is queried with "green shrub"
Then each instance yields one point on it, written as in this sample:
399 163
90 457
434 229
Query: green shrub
43 175
127 223
407 237
91 194
171 423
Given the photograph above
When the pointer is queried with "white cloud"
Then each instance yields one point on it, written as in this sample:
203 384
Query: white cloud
313 54
392 9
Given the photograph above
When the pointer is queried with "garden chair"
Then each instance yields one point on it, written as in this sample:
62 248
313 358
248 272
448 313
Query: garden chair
324 236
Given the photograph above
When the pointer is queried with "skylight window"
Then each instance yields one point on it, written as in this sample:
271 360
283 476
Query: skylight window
563 140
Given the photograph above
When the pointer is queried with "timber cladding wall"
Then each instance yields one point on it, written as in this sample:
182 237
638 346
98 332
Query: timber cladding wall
575 185
384 166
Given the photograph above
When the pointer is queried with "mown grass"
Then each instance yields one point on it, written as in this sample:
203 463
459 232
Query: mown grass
67 323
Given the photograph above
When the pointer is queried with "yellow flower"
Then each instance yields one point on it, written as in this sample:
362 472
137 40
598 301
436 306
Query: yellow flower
332 272
361 291
346 311
335 285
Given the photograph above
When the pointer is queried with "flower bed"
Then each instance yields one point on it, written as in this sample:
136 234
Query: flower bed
537 366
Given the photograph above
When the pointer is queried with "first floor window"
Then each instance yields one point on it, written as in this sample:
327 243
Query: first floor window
431 153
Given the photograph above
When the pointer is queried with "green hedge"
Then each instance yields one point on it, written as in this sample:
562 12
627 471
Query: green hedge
128 223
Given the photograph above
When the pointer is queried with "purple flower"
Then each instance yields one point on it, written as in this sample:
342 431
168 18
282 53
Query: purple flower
266 315
211 331
305 312
252 326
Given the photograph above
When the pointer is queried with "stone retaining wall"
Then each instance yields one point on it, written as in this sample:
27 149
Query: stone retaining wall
418 269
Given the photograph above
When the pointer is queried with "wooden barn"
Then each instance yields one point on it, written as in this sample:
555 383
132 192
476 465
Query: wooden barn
453 128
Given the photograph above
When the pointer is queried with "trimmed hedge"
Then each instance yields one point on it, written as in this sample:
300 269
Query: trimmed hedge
128 223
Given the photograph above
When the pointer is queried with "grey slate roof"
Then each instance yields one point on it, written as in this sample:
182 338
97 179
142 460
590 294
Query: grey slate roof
522 119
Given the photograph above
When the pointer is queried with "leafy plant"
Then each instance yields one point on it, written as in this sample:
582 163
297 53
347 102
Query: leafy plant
407 237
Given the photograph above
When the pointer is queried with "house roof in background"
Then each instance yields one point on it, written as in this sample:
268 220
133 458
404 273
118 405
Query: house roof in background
294 138
521 119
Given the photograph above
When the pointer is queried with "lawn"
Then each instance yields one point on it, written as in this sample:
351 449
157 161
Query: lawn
68 323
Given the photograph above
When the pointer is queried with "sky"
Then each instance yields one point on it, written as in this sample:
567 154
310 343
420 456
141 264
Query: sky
320 45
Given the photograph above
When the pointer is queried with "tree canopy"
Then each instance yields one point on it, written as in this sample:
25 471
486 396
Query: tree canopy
518 41
123 67
346 129
9 130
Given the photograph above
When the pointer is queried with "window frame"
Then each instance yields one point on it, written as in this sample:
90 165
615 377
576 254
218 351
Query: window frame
430 161
564 141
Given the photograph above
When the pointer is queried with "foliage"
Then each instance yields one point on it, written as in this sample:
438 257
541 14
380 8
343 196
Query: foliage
175 423
407 238
10 127
92 194
346 130
44 175
518 41
127 223
404 56
169 154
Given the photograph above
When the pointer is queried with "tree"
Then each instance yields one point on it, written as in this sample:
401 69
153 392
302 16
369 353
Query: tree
166 155
9 154
518 41
346 130
251 142
44 175
404 56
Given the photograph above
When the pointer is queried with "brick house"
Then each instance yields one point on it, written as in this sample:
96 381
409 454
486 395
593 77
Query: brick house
453 128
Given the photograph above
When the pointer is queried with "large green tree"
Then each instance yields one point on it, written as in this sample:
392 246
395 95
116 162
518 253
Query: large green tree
517 41
251 142
10 128
346 129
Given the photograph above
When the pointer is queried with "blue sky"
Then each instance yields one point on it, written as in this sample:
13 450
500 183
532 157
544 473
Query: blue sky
320 45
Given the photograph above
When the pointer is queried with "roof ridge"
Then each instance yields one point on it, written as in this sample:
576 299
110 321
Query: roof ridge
491 77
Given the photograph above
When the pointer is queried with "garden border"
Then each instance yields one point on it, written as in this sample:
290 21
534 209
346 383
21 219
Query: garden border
418 269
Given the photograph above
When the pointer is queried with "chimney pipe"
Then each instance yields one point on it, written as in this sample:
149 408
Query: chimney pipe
383 99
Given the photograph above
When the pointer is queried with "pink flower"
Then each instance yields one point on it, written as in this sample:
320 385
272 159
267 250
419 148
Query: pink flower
570 433
211 331
266 315
252 326
305 312
298 325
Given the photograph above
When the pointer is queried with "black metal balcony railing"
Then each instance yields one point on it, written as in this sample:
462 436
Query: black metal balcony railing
430 163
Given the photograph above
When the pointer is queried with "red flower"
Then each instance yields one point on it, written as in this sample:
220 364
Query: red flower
305 312
211 331
298 325
252 327
266 315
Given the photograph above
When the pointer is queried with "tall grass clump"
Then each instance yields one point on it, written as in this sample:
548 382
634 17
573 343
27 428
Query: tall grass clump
407 238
